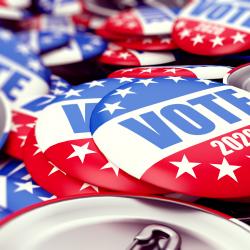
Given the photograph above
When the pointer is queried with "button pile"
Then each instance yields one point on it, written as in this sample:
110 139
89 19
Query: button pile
126 97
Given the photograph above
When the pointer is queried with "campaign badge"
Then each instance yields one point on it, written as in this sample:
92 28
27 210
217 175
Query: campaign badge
56 24
117 55
208 27
144 20
187 135
59 8
23 119
43 41
239 77
22 73
49 176
18 190
81 47
148 43
66 140
58 85
194 71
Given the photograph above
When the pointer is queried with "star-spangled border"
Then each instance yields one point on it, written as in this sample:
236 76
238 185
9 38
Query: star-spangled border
113 105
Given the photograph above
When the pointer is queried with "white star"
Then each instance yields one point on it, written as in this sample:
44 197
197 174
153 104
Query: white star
125 79
30 125
197 39
180 24
111 165
175 78
185 33
147 40
131 25
72 92
23 138
172 70
117 22
96 41
60 83
207 82
34 64
81 151
47 39
55 169
108 52
226 169
185 166
238 37
111 107
57 91
86 185
26 186
127 70
123 92
38 150
87 47
15 127
95 84
248 156
146 82
147 70
124 55
47 198
5 35
165 40
23 49
217 41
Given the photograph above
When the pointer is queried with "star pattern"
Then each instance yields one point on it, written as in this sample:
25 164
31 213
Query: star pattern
165 40
25 186
108 52
124 55
87 185
112 166
57 91
238 38
147 70
147 81
47 39
197 39
95 84
55 169
147 41
23 49
15 127
226 169
180 24
207 82
23 138
126 70
81 151
5 35
34 64
185 166
72 92
88 47
38 150
172 70
111 107
125 79
217 41
124 92
175 78
186 32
